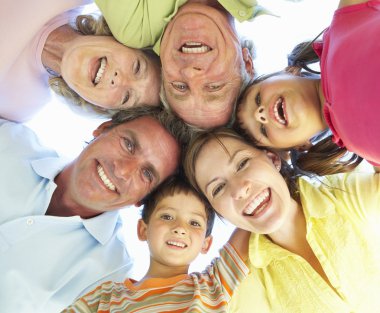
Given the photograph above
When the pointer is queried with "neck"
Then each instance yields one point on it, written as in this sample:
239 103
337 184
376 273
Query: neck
55 47
61 203
159 270
292 234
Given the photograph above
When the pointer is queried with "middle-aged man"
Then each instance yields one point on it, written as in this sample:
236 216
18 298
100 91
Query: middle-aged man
59 225
205 64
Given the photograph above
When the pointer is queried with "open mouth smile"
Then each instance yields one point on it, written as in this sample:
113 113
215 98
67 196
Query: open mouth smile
107 182
177 244
279 111
99 70
192 47
258 204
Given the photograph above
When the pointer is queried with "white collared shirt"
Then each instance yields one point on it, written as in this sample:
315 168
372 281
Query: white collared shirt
48 261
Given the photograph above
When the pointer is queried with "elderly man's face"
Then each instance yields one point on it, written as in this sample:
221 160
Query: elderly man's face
122 165
202 62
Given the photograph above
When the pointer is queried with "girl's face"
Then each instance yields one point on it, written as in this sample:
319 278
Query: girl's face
283 111
110 75
243 184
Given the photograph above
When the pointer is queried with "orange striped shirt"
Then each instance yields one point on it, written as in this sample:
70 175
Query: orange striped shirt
209 291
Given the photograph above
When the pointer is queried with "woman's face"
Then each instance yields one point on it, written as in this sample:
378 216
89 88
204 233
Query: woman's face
243 184
283 111
109 74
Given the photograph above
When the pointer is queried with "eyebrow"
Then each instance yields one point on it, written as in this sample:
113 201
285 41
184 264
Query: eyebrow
147 165
232 157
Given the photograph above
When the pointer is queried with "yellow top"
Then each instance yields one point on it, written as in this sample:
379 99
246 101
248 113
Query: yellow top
343 229
141 23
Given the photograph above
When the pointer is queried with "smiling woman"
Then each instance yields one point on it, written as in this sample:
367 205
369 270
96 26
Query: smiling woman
302 242
85 64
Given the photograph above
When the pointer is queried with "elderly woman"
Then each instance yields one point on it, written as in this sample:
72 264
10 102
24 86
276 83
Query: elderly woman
314 247
205 64
86 65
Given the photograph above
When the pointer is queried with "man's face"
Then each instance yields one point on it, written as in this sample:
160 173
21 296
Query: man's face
121 165
202 60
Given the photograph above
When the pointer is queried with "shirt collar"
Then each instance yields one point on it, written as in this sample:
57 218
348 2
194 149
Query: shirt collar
312 192
103 226
262 251
49 167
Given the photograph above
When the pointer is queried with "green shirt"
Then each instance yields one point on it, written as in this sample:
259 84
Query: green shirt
141 23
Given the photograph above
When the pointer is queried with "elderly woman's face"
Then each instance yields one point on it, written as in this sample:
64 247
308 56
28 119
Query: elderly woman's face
243 184
110 75
202 61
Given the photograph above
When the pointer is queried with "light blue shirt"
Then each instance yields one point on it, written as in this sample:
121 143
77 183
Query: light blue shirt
47 261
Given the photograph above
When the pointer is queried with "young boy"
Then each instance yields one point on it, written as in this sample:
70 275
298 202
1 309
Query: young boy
176 223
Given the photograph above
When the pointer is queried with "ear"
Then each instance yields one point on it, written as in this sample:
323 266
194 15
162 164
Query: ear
276 160
294 70
142 230
206 244
101 128
248 63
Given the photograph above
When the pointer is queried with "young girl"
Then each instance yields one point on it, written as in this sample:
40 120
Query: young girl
287 109
313 248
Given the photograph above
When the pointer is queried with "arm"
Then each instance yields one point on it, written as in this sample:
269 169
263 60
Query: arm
239 240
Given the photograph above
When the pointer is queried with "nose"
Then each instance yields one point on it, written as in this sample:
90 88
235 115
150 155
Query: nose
260 115
179 229
191 71
118 79
241 190
125 168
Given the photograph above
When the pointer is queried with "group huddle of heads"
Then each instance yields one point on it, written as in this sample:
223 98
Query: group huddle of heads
307 150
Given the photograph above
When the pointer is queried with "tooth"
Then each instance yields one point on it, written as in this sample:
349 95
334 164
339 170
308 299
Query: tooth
194 49
253 206
177 244
100 72
105 179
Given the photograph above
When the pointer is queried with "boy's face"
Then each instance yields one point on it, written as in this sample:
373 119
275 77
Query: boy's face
176 232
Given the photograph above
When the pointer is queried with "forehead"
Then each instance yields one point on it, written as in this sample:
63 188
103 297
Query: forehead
182 203
220 150
153 143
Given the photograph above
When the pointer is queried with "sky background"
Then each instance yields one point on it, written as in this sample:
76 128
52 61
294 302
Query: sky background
274 37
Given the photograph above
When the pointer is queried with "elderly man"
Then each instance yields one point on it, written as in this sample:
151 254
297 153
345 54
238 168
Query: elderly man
59 222
205 65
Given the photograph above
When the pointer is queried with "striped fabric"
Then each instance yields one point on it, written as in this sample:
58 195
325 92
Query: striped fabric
209 291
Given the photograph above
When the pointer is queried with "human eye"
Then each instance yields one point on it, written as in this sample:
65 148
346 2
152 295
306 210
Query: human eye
129 145
217 189
242 164
263 130
166 217
195 224
126 98
182 87
136 67
214 87
147 173
258 99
